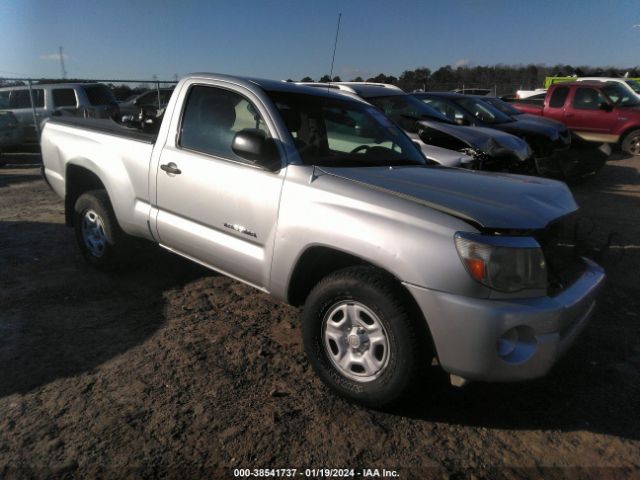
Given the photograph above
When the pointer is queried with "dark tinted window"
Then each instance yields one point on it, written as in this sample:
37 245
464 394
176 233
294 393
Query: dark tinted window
406 110
64 97
20 98
558 97
587 98
212 118
99 95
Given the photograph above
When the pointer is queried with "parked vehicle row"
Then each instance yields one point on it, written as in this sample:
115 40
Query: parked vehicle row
89 99
472 125
318 198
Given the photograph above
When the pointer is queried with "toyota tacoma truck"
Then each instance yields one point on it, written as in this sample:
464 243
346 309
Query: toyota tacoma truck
595 111
321 201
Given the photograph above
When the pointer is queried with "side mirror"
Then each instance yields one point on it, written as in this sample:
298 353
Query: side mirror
253 144
136 102
462 121
607 107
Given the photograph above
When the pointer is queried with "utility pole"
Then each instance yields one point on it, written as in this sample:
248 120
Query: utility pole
63 71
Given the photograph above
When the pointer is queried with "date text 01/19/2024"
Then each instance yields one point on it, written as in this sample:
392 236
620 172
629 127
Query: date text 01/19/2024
315 473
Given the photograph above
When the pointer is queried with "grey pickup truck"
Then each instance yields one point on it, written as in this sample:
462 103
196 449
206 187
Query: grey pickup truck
321 201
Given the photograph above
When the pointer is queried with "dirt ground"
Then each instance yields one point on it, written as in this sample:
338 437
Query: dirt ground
170 370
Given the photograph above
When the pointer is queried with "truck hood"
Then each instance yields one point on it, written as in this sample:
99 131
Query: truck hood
489 200
481 138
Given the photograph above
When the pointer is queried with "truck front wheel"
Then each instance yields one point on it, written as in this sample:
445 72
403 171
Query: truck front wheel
360 336
631 143
101 240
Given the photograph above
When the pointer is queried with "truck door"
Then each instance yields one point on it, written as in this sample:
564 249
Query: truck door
214 206
587 117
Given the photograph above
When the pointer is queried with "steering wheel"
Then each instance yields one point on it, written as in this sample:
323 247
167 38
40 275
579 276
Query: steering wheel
361 148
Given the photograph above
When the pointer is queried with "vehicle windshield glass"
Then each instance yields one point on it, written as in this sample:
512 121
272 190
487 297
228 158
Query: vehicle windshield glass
634 84
619 95
482 111
406 110
343 133
503 106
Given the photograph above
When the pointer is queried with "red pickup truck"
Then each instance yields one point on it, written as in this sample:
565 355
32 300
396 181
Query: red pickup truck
599 112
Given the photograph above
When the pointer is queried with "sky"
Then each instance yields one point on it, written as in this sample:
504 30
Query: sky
280 39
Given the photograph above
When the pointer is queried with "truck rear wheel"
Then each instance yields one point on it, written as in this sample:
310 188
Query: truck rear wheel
631 143
101 240
360 336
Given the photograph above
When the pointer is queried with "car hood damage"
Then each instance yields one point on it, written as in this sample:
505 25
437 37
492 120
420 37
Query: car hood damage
488 200
488 140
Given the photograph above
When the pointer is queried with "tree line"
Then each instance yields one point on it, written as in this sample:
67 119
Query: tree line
504 79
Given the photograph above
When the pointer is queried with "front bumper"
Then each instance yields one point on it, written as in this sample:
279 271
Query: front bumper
467 331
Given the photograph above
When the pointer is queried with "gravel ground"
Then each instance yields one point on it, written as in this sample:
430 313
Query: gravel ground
170 370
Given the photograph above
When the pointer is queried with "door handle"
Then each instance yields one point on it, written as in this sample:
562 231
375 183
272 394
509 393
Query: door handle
171 168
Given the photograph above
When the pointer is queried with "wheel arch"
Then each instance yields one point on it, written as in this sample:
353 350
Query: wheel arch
626 132
78 180
318 261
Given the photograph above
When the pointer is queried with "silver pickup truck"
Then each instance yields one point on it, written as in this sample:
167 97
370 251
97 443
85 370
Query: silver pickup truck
318 199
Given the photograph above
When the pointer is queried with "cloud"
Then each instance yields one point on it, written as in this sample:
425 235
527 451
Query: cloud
462 62
54 56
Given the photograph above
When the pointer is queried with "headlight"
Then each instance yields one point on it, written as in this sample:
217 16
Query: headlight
507 264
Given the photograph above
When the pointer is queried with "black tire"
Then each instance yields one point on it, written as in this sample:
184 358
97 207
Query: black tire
385 298
116 246
631 143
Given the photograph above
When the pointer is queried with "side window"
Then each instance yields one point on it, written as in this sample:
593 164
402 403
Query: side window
558 97
64 97
587 98
20 98
213 116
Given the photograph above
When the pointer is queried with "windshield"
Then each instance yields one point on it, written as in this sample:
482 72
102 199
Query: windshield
405 110
503 106
343 133
482 111
634 84
619 95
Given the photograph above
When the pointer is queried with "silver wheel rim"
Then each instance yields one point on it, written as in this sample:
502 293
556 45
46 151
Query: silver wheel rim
355 341
634 145
93 233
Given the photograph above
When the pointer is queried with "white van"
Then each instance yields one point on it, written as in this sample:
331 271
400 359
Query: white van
83 99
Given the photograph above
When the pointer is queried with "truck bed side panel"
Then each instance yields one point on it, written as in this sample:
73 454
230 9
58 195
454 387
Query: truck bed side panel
121 164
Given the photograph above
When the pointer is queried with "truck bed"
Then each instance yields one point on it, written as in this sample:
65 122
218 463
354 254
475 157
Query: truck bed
107 126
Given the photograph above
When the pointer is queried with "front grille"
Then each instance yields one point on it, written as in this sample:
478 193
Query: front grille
558 242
